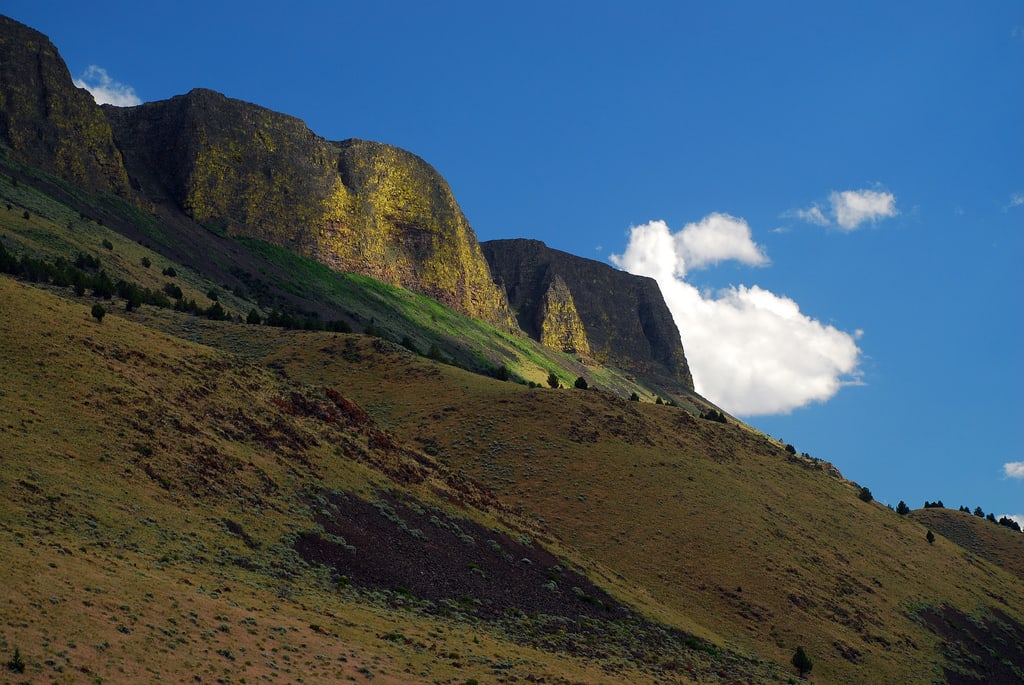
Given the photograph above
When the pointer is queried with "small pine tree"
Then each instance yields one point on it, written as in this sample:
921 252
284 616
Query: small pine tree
634 398
902 509
552 380
17 663
865 494
930 537
658 400
254 317
99 312
802 662
979 512
581 383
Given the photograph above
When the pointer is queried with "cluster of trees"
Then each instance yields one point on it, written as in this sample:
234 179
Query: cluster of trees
715 415
902 509
85 275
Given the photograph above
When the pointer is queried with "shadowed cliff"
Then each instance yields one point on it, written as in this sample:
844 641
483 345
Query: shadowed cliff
48 123
583 306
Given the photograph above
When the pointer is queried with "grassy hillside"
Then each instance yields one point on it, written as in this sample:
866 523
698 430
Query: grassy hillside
246 275
174 510
1000 545
186 498
730 534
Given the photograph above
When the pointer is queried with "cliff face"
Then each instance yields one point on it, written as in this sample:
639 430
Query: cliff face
48 123
622 318
355 206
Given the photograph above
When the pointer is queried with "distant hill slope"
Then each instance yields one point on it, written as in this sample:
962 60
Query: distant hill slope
1000 545
589 308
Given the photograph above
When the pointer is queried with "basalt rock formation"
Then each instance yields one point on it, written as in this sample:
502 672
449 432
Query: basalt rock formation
355 205
583 306
237 169
48 123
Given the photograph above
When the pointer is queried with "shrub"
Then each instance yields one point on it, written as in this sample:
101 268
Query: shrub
170 272
715 415
802 662
552 380
254 317
790 449
581 383
99 312
146 262
658 400
930 537
865 494
902 509
17 663
634 398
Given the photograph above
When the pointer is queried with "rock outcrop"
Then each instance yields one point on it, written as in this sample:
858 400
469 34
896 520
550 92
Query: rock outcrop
355 205
575 304
48 123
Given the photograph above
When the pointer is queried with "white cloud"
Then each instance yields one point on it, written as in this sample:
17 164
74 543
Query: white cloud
853 207
813 215
105 90
849 209
717 238
1017 199
1014 469
750 351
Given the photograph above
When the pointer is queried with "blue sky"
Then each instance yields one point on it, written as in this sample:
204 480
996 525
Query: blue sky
831 195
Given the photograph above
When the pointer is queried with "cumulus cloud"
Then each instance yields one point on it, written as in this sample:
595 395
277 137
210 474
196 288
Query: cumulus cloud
849 209
105 90
854 207
1014 469
717 238
750 351
1017 199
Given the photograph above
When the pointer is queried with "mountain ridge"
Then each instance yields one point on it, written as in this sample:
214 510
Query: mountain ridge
188 497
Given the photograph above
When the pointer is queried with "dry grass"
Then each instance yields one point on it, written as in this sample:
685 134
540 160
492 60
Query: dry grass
125 450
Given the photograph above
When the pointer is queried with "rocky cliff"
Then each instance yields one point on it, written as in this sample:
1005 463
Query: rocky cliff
356 206
48 123
590 308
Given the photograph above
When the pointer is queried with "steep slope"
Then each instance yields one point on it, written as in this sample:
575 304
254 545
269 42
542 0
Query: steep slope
171 511
47 122
574 303
1000 545
724 529
356 206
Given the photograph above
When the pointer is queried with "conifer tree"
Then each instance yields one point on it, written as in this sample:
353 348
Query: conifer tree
802 661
